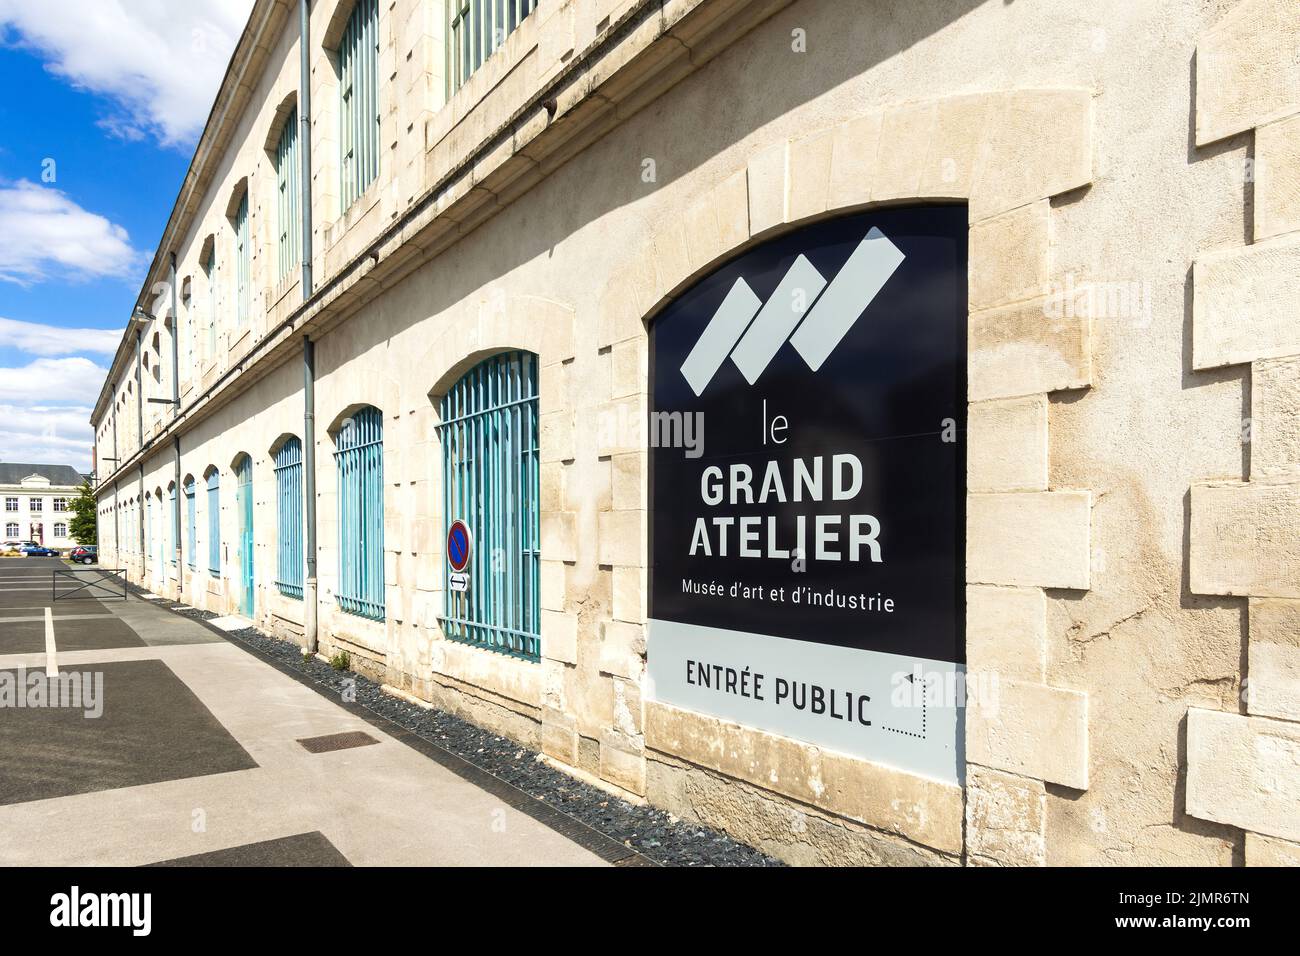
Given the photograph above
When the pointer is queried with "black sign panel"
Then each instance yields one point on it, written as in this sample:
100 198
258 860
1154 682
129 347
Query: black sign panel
809 413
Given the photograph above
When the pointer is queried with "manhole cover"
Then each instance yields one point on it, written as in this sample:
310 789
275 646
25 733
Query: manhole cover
353 738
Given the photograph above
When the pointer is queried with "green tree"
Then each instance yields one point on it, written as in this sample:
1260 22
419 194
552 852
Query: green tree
83 523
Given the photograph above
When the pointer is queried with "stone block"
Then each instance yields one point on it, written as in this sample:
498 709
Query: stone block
1246 69
1244 771
1028 349
1010 256
1277 178
1006 445
1245 538
1033 539
1244 304
1006 818
1273 659
1032 730
1006 632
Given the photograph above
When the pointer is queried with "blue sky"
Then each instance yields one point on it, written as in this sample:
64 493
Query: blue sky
111 96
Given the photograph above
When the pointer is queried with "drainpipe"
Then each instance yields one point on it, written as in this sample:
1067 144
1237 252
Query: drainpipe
304 139
176 441
309 489
176 519
139 393
176 336
117 463
139 409
144 545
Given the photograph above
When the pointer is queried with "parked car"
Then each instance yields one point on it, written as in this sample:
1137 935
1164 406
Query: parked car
19 546
40 551
84 554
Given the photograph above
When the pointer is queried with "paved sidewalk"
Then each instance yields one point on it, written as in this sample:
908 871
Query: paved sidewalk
196 756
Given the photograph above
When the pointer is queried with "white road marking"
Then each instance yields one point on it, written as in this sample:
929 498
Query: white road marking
51 664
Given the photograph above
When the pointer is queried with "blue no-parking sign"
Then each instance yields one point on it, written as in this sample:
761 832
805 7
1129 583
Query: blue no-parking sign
459 542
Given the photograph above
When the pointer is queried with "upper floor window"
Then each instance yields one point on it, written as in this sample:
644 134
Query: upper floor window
359 100
243 262
288 493
488 431
359 456
35 504
478 27
191 540
214 522
60 504
286 185
210 276
11 504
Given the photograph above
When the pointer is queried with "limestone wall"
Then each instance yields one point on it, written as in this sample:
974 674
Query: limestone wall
1132 551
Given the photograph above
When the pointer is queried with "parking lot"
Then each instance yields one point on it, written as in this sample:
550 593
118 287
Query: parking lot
132 735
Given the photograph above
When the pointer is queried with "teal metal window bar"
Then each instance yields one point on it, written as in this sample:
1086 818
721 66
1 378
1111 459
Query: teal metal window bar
214 523
286 185
359 457
243 263
191 540
288 493
359 101
489 437
477 29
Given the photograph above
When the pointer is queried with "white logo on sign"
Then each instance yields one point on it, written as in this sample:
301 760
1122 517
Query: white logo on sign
813 316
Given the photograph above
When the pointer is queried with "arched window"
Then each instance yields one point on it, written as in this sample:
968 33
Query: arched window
488 432
192 534
148 528
288 493
11 530
171 524
243 263
359 456
60 531
214 522
359 101
286 185
477 29
210 274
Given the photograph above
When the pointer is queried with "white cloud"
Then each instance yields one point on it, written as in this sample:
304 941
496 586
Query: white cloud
44 434
159 61
41 228
45 411
52 380
48 340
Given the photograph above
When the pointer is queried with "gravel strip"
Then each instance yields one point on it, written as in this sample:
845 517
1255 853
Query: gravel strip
654 833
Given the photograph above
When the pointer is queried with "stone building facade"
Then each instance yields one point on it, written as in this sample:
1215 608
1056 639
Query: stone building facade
37 503
1131 576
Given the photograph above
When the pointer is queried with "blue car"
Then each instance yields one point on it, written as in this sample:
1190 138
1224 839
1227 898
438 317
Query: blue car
40 552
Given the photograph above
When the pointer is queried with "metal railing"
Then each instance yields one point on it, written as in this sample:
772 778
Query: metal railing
97 587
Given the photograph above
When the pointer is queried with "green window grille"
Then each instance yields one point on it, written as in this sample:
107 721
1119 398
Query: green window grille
359 106
243 263
214 523
191 542
210 274
288 488
286 184
359 457
488 432
173 518
477 28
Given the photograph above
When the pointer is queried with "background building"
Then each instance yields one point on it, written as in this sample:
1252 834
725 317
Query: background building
37 502
432 292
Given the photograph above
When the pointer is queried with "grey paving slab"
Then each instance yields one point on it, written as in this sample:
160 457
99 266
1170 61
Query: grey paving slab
152 728
22 637
93 634
303 849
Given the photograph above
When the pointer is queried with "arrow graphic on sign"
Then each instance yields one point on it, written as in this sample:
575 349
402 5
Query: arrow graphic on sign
803 309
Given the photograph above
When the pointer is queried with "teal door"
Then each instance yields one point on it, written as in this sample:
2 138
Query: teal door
244 507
